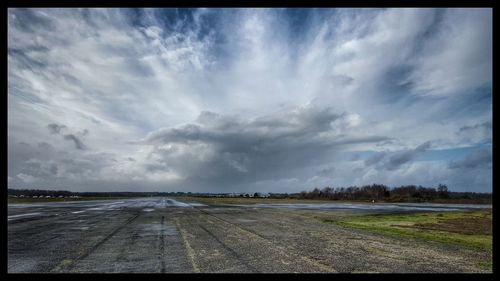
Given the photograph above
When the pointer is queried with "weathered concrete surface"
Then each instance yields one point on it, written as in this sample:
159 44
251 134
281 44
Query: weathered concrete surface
164 235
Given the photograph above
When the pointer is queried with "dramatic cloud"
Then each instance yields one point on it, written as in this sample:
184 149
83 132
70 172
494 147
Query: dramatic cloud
77 141
376 158
486 126
402 157
240 151
394 160
478 159
249 99
55 129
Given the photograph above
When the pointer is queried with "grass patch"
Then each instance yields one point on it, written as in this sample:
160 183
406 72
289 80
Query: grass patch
466 229
486 265
62 265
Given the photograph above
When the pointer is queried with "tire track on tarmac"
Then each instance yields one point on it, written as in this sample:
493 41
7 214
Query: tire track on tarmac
161 253
40 228
285 249
35 227
68 264
230 250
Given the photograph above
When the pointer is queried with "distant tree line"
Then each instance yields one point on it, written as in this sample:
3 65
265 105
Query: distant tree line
380 192
377 192
65 193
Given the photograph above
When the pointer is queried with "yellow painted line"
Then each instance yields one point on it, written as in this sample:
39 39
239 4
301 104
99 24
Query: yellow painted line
189 250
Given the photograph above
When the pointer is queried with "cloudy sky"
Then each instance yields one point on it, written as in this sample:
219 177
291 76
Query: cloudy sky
246 100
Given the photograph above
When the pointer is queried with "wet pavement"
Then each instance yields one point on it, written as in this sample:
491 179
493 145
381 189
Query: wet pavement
165 235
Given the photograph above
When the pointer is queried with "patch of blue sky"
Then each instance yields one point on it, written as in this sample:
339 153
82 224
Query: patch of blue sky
450 154
428 155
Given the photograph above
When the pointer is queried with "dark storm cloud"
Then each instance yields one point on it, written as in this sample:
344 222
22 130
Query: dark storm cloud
400 158
226 149
485 125
481 158
55 128
78 143
480 132
376 158
44 163
393 160
293 128
44 145
327 172
230 132
341 80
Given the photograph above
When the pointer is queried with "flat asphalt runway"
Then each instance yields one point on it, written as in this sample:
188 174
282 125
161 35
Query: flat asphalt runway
163 235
